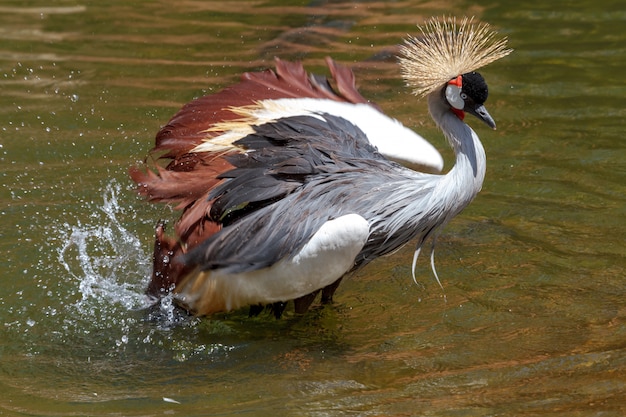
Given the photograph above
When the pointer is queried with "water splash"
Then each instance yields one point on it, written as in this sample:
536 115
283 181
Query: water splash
112 270
105 258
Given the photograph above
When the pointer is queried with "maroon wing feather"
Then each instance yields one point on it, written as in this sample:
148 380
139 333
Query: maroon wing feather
188 177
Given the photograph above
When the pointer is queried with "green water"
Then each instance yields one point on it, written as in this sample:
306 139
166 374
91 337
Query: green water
533 318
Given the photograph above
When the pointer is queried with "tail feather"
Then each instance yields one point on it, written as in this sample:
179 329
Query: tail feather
166 270
185 180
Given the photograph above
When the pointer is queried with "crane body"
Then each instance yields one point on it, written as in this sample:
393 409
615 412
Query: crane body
290 187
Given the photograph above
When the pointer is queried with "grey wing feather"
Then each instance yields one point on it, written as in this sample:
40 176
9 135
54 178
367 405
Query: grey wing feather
281 191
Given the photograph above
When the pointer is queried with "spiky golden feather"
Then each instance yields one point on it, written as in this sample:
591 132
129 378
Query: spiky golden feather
446 50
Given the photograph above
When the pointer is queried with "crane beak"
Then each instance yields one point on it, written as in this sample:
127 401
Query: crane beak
481 112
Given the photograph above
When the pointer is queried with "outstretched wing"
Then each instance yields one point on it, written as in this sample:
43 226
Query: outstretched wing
188 174
194 122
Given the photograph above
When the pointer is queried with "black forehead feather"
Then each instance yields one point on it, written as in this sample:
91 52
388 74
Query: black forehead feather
475 86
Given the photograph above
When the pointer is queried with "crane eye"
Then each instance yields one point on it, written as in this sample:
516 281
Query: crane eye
464 96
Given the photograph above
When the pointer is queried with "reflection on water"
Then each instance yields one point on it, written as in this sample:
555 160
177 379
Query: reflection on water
532 270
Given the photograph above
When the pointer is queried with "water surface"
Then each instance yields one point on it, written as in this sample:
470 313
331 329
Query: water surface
531 319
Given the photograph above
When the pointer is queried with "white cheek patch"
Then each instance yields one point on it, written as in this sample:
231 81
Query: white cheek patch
453 95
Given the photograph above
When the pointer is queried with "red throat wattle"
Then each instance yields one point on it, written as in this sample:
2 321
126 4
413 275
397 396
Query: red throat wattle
459 113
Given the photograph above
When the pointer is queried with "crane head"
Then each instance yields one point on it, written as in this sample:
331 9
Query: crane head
468 93
447 48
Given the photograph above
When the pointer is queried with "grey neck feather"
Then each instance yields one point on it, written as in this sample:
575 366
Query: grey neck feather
465 179
430 201
418 204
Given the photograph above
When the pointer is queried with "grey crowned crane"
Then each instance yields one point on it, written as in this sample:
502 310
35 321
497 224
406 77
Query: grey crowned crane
287 183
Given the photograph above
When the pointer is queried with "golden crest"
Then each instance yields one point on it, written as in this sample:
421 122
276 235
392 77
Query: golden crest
446 50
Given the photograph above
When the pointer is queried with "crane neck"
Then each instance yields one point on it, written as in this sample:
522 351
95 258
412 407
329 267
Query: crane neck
465 179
